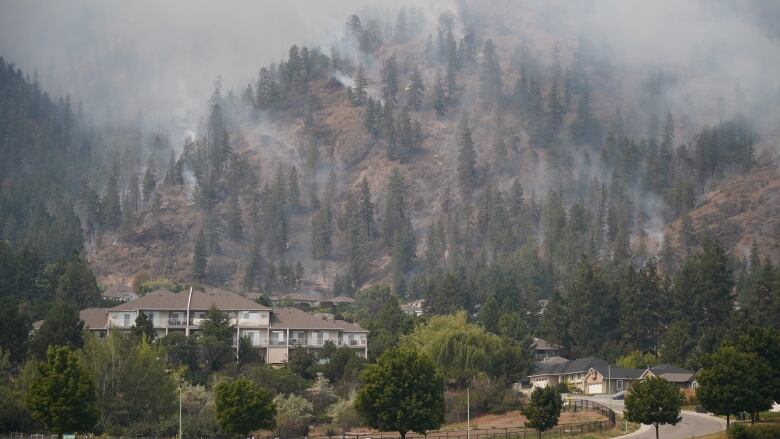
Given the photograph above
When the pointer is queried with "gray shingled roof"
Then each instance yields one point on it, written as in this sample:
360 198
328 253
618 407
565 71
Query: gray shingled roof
166 300
95 318
571 366
293 318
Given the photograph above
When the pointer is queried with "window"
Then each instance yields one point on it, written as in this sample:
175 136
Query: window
126 320
619 385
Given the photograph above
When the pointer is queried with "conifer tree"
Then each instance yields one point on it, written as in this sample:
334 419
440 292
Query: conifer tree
390 79
416 89
235 227
294 190
321 234
439 95
366 206
150 181
467 173
112 212
361 83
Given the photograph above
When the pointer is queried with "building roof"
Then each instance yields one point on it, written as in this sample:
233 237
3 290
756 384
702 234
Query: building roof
95 318
671 373
293 318
674 377
166 300
567 367
341 299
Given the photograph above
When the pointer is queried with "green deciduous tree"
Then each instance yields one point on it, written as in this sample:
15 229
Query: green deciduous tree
131 379
62 397
402 392
293 416
543 410
242 406
654 401
731 382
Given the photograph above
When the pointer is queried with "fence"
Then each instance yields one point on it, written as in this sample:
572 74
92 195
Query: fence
559 431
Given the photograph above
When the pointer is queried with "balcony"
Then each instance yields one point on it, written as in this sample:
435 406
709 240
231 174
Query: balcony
178 323
298 342
277 343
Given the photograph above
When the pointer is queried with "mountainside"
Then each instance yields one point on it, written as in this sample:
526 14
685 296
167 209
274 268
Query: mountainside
520 142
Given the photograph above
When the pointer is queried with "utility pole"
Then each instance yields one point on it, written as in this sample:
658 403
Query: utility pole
468 412
181 385
609 383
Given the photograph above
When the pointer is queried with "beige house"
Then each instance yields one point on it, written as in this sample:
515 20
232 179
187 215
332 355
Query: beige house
555 370
271 330
610 379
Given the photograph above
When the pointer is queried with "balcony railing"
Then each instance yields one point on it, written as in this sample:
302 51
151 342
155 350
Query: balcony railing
298 342
178 322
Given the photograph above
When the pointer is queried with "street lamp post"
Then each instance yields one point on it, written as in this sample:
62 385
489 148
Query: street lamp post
181 386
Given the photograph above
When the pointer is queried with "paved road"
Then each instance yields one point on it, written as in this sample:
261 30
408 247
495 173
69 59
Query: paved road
692 424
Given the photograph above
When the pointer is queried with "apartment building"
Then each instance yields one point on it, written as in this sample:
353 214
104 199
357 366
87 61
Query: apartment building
274 331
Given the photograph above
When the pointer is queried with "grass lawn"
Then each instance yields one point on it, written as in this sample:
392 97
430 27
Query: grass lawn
766 418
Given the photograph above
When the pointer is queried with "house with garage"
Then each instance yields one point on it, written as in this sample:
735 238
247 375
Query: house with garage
610 379
556 370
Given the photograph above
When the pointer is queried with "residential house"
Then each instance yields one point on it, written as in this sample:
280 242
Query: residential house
273 331
683 378
341 300
119 293
544 349
291 327
94 320
414 308
556 370
602 379
306 299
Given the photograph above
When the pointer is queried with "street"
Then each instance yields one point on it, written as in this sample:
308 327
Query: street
692 424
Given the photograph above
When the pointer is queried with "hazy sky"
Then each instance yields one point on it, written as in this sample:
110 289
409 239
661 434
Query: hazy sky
158 57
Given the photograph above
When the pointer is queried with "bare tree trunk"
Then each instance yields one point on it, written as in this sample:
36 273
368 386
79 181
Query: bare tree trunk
728 421
656 431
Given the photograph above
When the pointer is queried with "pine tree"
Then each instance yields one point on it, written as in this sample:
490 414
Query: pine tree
439 95
555 110
235 228
467 173
357 240
416 89
361 83
390 79
321 235
199 257
294 190
150 181
366 206
500 156
452 85
112 212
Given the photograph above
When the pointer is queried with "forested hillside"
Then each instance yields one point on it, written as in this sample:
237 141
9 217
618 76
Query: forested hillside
479 158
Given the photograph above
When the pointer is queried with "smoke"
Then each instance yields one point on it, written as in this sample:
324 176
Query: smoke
156 62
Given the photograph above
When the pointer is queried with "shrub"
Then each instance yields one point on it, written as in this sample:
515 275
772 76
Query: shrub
758 431
293 416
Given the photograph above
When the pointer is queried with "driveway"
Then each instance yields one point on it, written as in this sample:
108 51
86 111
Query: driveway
692 425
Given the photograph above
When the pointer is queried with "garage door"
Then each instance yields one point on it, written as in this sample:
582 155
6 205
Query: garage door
595 389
